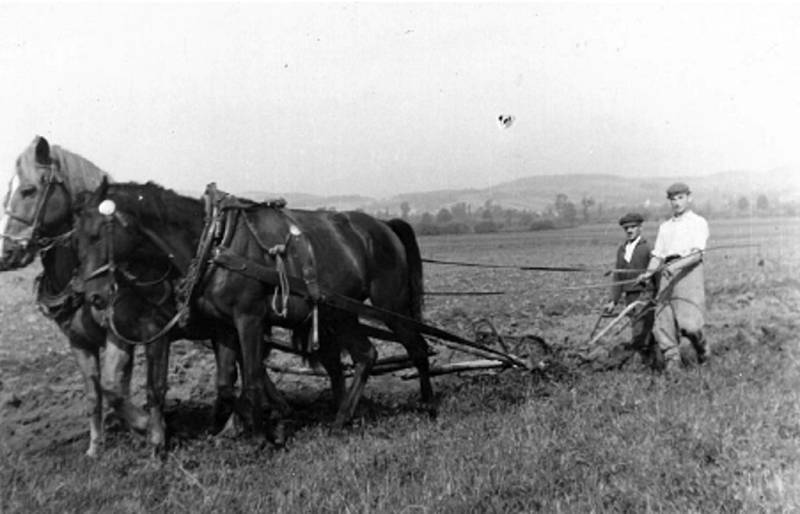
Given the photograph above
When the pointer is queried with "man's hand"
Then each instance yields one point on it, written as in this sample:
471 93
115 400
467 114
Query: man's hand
644 277
609 307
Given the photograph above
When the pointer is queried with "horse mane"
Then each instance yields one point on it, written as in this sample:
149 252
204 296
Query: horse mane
80 174
152 204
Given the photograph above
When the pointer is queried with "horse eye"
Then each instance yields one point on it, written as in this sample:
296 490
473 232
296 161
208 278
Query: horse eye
27 191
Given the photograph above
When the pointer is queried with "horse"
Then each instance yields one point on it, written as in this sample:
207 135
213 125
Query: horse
349 254
38 219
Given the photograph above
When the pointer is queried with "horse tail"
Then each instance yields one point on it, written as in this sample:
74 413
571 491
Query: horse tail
405 232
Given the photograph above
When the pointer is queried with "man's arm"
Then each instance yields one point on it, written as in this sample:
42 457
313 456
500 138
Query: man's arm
694 256
652 268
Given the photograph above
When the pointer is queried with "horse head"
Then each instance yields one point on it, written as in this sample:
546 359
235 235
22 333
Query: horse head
117 232
38 203
103 236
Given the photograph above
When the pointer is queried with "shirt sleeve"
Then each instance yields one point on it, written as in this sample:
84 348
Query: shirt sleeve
701 236
658 246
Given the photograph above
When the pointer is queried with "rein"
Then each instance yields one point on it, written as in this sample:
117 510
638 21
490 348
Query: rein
158 335
110 268
501 266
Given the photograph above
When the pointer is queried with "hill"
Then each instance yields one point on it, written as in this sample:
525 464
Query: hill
535 193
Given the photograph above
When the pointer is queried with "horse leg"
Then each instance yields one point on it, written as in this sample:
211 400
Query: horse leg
157 367
89 362
279 408
417 349
330 356
117 369
276 399
364 356
226 354
251 334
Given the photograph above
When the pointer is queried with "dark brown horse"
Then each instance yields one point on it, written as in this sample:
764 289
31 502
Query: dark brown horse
352 254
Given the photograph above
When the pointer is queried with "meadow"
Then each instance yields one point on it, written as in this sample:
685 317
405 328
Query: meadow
722 437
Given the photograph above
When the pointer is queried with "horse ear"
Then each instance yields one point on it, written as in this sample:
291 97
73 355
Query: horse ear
43 152
80 200
102 189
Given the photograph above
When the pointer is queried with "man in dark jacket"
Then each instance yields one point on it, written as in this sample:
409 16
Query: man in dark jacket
634 255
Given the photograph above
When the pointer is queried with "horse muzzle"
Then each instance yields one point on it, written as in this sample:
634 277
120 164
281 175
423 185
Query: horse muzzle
15 256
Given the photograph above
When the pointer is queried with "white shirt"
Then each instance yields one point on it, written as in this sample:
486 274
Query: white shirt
629 248
680 234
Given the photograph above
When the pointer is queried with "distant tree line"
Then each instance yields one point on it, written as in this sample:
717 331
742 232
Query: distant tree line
462 218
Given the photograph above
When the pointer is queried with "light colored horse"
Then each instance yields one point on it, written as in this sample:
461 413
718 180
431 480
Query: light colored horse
37 219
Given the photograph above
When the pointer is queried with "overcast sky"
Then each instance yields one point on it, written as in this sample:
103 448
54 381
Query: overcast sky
379 99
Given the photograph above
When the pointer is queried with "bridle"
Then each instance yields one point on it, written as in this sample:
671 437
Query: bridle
51 178
111 269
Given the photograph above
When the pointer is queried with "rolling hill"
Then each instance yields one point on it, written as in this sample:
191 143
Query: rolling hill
535 193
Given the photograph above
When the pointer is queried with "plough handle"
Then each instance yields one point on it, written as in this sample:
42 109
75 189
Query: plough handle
616 320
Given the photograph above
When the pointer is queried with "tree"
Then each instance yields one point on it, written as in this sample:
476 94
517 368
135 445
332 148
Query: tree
565 209
427 218
444 216
586 201
459 211
762 203
485 227
405 209
743 204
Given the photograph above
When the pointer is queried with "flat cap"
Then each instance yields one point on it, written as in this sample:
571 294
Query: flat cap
677 188
632 218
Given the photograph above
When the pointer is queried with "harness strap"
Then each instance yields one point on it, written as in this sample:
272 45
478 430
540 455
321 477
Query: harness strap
199 264
50 179
178 260
305 252
282 289
56 306
234 262
158 335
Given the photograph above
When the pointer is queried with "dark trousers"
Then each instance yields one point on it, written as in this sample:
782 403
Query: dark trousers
642 341
642 319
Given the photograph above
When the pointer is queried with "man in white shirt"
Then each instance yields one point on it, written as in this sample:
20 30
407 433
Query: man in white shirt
678 256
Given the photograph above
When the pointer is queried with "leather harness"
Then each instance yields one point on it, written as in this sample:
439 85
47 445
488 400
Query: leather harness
221 219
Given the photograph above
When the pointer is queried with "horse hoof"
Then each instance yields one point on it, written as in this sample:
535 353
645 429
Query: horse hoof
94 451
232 429
278 434
337 430
430 407
159 454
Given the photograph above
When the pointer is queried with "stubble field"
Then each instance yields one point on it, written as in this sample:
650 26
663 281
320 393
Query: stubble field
724 437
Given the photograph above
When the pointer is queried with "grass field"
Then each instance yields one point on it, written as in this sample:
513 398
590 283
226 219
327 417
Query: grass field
724 437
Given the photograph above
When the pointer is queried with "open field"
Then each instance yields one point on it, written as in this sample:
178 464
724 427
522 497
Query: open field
724 437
